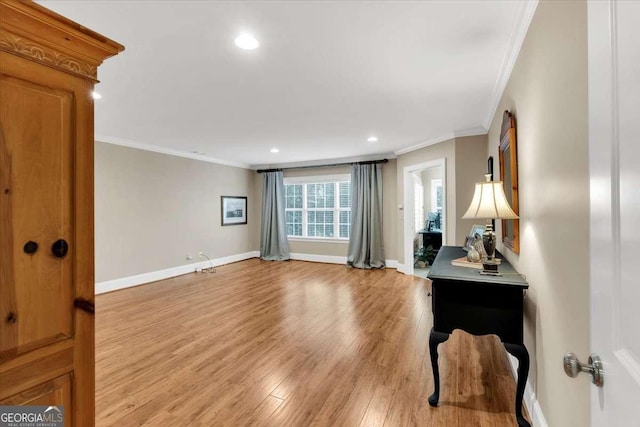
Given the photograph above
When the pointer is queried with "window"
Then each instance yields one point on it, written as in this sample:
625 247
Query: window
293 209
436 195
418 197
318 207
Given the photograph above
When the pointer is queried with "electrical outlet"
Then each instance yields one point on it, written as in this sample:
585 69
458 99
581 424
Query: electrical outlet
188 257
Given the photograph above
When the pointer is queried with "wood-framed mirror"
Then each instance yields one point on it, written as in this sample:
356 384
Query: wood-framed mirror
509 177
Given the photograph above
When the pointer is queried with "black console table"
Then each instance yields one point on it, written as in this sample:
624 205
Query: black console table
480 305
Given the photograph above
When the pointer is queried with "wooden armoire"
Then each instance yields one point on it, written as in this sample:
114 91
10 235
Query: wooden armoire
48 68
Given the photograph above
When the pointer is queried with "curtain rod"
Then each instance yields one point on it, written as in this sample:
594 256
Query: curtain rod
368 162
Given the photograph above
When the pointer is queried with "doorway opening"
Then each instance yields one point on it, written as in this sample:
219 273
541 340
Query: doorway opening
425 202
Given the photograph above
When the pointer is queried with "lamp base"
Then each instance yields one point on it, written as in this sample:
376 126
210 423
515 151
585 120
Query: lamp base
490 267
489 241
490 273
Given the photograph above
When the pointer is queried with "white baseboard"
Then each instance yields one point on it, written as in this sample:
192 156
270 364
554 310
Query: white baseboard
139 279
154 276
332 259
530 400
392 263
234 258
327 259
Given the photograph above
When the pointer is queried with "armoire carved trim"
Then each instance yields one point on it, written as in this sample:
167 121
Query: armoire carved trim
29 49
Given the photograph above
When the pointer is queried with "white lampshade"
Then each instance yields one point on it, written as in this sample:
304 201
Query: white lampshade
489 202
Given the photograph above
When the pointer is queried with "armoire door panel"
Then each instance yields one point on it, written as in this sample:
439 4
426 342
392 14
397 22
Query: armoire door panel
56 392
37 199
36 367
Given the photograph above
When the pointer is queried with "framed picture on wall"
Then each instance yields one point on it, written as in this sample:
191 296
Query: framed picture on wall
234 210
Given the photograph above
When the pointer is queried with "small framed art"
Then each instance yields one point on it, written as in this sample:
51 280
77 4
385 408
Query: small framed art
477 229
234 210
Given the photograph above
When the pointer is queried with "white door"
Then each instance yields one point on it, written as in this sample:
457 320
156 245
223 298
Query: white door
614 144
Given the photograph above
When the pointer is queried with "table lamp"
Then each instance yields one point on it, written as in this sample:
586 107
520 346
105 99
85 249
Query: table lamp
489 202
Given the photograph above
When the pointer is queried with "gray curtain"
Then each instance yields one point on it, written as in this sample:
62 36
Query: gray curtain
274 245
366 247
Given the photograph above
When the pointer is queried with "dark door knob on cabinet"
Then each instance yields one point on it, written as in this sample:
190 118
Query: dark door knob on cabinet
60 248
30 247
84 305
12 318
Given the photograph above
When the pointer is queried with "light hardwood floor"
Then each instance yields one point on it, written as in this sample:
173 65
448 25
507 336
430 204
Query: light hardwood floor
289 344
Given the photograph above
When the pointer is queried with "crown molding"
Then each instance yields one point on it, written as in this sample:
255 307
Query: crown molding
474 131
168 151
322 162
427 143
518 34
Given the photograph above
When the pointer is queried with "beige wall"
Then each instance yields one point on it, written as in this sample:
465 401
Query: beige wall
547 92
471 166
340 249
466 160
151 210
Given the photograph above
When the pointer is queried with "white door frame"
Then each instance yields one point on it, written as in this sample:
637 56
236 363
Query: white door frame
409 211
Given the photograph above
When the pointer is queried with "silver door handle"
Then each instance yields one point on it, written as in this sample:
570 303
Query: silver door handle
573 366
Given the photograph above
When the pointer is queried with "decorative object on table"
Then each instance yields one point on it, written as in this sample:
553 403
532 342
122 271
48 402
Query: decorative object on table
233 210
477 229
476 232
478 245
464 262
476 252
509 176
488 203
473 255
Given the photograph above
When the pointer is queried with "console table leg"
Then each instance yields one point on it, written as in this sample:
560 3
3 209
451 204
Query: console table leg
435 338
521 353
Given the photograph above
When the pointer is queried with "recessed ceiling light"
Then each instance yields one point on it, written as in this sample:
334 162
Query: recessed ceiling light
96 95
275 150
247 41
372 139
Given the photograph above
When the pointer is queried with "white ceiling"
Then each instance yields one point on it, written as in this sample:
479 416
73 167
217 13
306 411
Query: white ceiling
326 76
